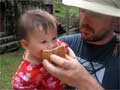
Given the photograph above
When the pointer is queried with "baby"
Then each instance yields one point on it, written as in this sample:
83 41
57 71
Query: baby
38 32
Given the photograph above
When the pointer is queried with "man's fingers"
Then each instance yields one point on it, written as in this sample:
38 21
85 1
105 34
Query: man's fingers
70 58
71 53
48 66
52 69
59 61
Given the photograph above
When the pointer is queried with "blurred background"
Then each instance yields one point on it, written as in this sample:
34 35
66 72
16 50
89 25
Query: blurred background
10 10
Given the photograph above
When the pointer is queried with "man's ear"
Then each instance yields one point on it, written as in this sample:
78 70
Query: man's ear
24 43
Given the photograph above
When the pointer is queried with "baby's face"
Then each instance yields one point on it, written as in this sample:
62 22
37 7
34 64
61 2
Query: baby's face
40 40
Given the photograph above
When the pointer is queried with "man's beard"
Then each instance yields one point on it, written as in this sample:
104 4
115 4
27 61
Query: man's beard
94 37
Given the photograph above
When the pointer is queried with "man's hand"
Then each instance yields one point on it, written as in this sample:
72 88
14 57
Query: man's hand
71 72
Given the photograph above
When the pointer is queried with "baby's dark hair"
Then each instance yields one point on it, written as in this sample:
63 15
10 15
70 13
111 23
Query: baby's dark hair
33 19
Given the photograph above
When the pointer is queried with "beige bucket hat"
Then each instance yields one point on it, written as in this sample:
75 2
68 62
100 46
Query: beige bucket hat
107 7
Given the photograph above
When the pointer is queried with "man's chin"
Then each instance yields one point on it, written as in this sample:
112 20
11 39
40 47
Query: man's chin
88 39
85 38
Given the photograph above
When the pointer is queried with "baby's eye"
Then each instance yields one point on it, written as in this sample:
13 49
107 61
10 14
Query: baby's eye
43 41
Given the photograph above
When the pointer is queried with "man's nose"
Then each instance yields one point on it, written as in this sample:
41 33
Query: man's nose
83 19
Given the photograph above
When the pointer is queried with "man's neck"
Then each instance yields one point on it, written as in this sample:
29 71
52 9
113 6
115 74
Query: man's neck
104 40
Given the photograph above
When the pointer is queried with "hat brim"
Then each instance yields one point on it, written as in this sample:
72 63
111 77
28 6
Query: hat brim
95 7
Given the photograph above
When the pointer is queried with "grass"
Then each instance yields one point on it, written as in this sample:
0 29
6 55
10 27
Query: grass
8 65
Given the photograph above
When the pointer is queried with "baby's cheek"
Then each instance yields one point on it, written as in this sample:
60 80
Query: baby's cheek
39 54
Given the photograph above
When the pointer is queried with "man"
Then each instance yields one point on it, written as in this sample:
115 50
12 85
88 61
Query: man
97 48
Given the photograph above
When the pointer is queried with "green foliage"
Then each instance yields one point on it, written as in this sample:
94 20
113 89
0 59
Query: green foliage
62 9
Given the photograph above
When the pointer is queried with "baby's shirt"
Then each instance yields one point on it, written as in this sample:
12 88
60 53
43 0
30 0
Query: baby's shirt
35 77
30 77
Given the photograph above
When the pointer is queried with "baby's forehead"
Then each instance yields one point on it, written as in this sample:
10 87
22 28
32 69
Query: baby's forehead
42 34
46 31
